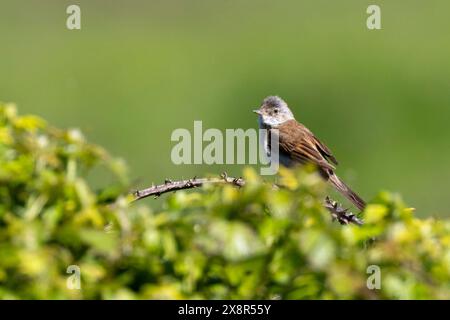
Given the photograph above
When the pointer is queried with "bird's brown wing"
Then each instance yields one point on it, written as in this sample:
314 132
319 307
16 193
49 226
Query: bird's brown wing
299 142
325 151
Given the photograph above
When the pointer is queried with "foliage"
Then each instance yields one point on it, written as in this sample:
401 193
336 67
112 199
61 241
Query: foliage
218 242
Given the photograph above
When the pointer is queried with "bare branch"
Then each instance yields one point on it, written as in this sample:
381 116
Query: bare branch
344 216
172 186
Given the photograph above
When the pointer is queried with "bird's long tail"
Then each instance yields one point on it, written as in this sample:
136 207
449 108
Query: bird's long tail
347 192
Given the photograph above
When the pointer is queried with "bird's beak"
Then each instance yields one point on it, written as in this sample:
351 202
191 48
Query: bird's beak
257 111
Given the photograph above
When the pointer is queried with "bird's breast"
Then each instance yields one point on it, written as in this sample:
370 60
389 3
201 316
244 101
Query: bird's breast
283 158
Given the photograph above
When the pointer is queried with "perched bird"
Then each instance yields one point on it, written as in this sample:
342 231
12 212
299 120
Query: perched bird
298 145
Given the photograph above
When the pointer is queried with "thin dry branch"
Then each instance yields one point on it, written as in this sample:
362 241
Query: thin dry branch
344 216
172 186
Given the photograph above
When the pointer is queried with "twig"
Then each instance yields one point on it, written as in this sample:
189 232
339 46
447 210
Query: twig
344 216
172 186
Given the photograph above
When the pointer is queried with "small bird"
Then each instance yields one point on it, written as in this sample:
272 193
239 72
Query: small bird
298 145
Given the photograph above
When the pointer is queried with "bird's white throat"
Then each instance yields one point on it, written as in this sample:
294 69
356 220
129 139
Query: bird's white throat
266 122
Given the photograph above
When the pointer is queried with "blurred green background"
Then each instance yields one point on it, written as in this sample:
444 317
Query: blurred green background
137 70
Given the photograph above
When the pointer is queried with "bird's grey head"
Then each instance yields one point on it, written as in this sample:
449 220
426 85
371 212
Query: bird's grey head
273 112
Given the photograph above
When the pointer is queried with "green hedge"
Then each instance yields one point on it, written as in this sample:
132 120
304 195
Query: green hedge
219 242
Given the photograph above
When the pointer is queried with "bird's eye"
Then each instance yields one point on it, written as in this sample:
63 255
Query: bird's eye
275 111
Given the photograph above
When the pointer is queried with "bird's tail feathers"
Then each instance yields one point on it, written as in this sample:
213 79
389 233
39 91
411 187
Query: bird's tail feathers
347 192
